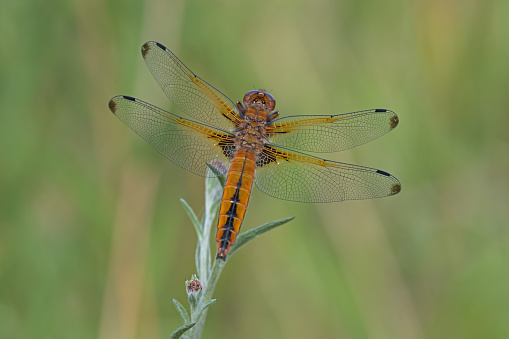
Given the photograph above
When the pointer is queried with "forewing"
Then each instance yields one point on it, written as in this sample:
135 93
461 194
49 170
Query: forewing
295 176
331 133
189 144
191 94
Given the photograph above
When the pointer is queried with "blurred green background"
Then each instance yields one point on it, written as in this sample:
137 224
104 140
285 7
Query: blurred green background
94 242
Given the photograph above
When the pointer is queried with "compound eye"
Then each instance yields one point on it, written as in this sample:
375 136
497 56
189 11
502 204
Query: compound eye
271 103
250 96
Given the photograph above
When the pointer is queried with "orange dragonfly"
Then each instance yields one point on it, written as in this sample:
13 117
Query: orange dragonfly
255 144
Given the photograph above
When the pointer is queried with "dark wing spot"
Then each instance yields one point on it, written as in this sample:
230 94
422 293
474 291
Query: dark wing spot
268 155
394 121
161 46
112 105
228 149
144 49
129 98
383 173
395 189
380 110
265 159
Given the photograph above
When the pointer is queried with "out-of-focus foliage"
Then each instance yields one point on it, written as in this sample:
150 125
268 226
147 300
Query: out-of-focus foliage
94 242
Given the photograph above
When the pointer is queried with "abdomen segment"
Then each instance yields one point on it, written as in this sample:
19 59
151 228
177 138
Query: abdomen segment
234 201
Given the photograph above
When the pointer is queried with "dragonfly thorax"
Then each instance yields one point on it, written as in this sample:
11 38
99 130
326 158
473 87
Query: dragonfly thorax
251 131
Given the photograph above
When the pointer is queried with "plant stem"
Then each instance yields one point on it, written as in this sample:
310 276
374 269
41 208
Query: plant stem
208 275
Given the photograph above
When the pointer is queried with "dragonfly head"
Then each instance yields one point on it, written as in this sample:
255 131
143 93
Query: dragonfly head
259 99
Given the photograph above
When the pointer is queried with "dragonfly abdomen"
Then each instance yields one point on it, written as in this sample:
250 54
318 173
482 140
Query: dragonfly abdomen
235 198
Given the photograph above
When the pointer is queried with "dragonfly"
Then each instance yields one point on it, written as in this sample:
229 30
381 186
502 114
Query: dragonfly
254 143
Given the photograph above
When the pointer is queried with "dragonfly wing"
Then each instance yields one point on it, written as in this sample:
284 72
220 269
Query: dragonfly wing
295 176
189 144
191 94
331 133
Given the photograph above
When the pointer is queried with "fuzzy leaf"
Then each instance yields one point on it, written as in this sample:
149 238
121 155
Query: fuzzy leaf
182 311
220 176
243 238
194 219
207 304
181 330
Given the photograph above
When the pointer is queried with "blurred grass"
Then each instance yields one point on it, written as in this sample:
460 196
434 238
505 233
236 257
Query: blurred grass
94 243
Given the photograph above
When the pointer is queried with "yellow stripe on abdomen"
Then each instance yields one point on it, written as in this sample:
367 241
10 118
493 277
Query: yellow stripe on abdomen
234 201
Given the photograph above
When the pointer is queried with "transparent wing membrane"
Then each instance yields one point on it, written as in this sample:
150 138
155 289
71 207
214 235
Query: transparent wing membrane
294 176
331 133
189 144
191 94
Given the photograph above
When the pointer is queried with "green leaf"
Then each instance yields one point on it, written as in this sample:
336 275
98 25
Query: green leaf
182 311
181 330
207 304
220 176
194 219
243 238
